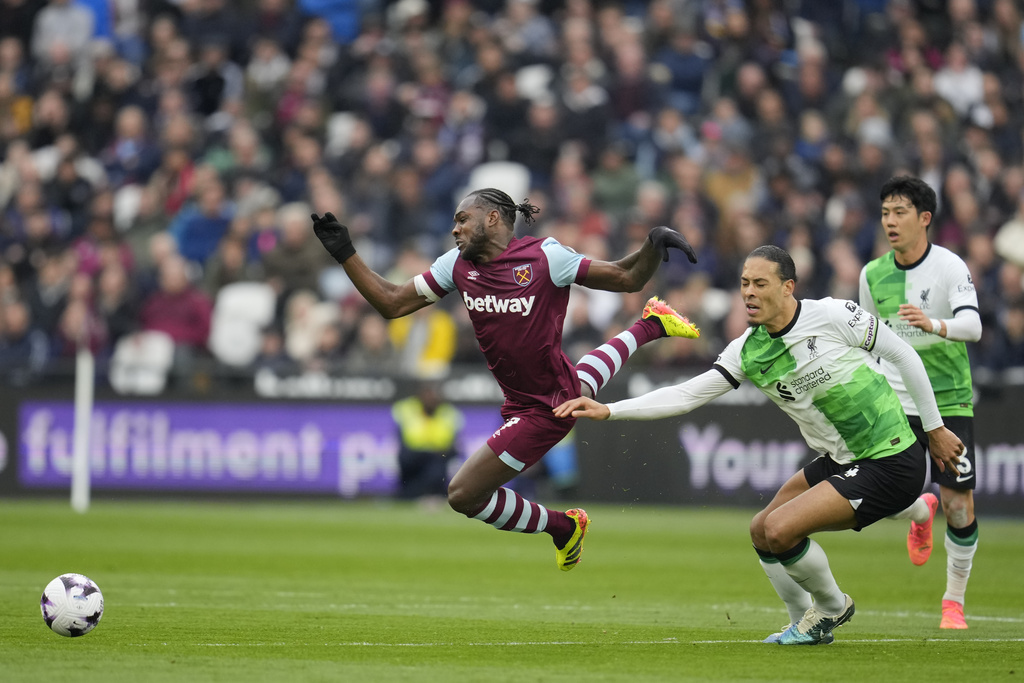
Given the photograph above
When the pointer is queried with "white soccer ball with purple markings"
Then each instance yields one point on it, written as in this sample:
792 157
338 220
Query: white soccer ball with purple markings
72 605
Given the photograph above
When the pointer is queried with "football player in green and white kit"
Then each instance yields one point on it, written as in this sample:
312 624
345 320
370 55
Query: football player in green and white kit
813 359
925 294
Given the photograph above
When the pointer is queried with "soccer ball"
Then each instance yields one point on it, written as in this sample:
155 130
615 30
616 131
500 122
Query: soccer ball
72 605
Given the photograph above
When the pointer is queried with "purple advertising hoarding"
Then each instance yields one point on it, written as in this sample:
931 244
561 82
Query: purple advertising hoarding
346 451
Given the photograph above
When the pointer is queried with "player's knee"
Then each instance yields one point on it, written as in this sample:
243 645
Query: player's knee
461 499
757 531
777 535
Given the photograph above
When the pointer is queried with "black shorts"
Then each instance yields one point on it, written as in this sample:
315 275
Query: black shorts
875 488
963 479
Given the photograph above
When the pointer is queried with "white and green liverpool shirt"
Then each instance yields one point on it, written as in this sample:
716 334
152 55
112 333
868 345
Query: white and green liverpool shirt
819 371
940 285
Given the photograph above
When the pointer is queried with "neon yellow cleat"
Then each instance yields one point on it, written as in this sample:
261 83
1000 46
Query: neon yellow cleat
568 556
671 322
919 538
952 615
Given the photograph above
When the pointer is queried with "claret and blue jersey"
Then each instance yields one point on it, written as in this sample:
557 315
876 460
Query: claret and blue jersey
517 304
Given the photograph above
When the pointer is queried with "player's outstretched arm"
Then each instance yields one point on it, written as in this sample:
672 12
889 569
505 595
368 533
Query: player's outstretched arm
631 273
389 299
583 407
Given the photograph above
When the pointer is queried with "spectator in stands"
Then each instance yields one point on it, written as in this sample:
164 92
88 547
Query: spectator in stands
537 146
131 157
24 348
230 264
216 20
79 325
296 261
1007 350
686 64
180 309
306 318
201 225
116 302
61 34
371 350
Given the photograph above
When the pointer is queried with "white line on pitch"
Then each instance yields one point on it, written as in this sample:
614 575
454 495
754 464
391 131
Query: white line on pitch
666 641
858 641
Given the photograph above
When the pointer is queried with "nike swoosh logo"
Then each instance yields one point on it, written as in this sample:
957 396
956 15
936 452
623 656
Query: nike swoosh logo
964 477
882 301
767 367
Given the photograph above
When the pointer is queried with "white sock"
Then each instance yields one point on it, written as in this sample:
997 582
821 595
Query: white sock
812 573
917 512
796 598
959 559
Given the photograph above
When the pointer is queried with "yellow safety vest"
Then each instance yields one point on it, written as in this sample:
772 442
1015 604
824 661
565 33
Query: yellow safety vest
422 432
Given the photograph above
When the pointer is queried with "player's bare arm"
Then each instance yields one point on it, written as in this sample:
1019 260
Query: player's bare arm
945 447
389 299
583 407
633 271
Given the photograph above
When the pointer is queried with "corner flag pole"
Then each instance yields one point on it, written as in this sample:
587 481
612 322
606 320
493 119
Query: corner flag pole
84 388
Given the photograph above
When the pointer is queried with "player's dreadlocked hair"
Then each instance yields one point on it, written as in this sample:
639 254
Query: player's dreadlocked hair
491 197
779 256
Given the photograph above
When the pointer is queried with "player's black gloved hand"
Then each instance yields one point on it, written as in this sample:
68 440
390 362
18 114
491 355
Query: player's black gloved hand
663 238
334 236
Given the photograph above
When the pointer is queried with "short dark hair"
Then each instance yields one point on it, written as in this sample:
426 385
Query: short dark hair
916 191
491 198
778 256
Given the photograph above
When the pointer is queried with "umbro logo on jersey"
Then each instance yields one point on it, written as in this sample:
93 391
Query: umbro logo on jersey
472 275
492 304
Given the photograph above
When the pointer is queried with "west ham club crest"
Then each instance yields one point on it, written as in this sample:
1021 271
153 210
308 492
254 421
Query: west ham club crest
523 274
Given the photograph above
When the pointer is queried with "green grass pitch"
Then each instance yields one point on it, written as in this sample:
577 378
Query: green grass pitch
381 591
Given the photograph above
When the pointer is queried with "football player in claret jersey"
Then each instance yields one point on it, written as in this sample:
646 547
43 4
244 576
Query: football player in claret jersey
924 293
871 464
516 290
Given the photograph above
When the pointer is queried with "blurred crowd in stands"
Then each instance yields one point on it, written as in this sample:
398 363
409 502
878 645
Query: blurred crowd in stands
156 153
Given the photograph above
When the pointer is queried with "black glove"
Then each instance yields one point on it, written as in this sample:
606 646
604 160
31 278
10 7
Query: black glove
334 236
663 238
